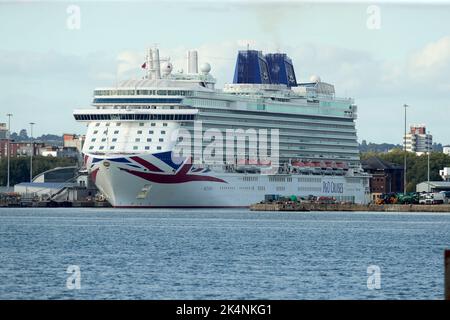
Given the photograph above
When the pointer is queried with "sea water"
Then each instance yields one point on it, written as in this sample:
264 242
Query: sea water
80 253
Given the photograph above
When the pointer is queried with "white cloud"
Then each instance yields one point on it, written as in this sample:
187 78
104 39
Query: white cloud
129 62
432 62
354 72
376 84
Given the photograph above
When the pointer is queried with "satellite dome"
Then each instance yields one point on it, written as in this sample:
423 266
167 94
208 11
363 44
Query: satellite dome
314 78
166 68
205 68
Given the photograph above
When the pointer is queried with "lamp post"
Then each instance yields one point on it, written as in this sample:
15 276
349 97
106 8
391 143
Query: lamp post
9 115
32 151
404 145
428 162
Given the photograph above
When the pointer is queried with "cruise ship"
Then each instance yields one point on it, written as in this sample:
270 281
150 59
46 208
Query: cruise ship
147 138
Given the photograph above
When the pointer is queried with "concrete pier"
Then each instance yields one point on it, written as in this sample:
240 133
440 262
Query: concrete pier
53 204
300 206
447 274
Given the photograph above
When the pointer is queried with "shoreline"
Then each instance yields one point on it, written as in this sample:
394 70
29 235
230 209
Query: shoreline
302 207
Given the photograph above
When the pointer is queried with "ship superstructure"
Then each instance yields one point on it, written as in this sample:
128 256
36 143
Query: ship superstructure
134 128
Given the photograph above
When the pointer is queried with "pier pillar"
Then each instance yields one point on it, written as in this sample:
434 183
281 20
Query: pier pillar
447 274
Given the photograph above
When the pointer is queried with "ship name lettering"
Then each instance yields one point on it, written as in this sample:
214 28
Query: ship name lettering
332 187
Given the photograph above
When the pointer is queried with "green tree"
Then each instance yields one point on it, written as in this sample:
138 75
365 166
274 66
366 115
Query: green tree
20 167
416 166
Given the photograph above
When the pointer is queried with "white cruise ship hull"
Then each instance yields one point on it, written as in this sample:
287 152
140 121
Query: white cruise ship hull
147 181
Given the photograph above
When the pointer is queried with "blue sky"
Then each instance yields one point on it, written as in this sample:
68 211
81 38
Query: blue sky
47 69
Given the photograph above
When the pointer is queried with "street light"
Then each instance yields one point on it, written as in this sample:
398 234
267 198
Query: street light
32 151
9 115
428 161
404 145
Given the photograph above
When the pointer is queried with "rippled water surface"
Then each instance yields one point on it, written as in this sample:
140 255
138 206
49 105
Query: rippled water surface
220 254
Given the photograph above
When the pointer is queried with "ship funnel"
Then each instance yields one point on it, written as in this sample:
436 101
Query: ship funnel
156 63
192 62
149 63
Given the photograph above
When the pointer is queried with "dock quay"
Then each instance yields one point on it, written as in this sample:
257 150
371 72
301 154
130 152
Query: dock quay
55 204
309 206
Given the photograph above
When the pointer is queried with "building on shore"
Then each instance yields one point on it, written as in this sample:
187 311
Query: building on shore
418 140
386 176
59 174
48 151
433 186
41 188
446 150
436 186
68 152
3 131
445 174
59 184
73 141
71 148
19 149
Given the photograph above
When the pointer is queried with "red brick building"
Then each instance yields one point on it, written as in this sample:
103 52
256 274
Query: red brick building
17 148
386 176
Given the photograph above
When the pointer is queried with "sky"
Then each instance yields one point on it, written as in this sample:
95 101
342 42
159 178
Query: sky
54 53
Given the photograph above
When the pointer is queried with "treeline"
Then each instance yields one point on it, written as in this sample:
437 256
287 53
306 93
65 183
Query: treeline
51 139
416 166
376 147
20 167
386 147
